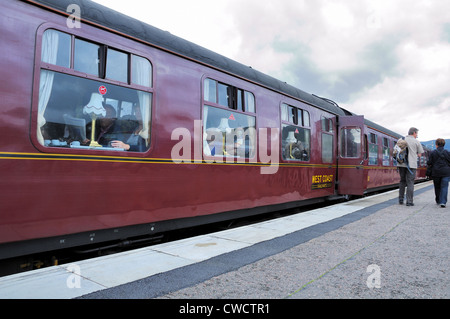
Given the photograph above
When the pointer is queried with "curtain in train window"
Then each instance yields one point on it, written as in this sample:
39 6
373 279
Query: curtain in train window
62 121
56 48
52 52
141 71
228 133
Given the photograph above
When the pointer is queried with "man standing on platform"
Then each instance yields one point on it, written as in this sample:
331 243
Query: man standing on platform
407 170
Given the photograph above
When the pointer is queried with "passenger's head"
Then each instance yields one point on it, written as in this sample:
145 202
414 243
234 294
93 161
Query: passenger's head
440 142
110 111
109 118
413 131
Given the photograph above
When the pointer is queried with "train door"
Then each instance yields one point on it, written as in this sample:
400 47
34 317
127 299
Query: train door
351 156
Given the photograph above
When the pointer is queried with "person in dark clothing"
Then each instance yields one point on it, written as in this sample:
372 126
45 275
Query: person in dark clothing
120 134
440 171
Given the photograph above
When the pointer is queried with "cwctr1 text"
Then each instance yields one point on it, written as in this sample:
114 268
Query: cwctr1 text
229 308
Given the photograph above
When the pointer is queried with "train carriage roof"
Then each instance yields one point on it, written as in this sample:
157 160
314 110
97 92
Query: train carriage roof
111 19
101 15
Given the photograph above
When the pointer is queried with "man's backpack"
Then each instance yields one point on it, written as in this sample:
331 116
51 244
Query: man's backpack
400 153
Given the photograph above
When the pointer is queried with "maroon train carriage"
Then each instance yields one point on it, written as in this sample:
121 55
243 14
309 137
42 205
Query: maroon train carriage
111 128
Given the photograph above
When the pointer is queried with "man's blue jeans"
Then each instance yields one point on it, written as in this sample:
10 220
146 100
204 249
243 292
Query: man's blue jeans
441 189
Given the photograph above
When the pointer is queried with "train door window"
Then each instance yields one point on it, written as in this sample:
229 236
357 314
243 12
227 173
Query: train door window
295 136
117 65
373 149
327 124
229 131
327 148
350 142
69 103
386 152
327 139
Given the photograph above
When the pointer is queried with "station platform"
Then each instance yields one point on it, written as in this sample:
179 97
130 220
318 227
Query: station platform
366 248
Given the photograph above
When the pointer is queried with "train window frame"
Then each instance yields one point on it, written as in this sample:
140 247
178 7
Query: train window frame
140 84
113 72
326 124
229 130
327 139
373 148
222 94
295 133
83 61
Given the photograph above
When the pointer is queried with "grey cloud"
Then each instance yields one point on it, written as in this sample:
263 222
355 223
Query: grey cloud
378 61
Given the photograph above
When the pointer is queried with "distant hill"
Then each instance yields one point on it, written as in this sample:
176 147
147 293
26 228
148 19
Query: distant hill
432 144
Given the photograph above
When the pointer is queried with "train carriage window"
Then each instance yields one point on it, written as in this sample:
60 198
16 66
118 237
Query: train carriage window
350 142
117 65
284 113
240 100
296 143
141 71
89 112
228 96
225 95
327 139
306 121
327 148
295 134
87 57
327 124
373 149
227 133
386 152
249 102
56 48
293 114
210 91
394 161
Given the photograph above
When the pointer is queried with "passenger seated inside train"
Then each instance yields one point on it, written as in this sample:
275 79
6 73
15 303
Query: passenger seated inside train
117 133
110 132
295 144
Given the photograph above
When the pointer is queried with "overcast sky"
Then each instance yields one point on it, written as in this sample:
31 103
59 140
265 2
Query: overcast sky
388 60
